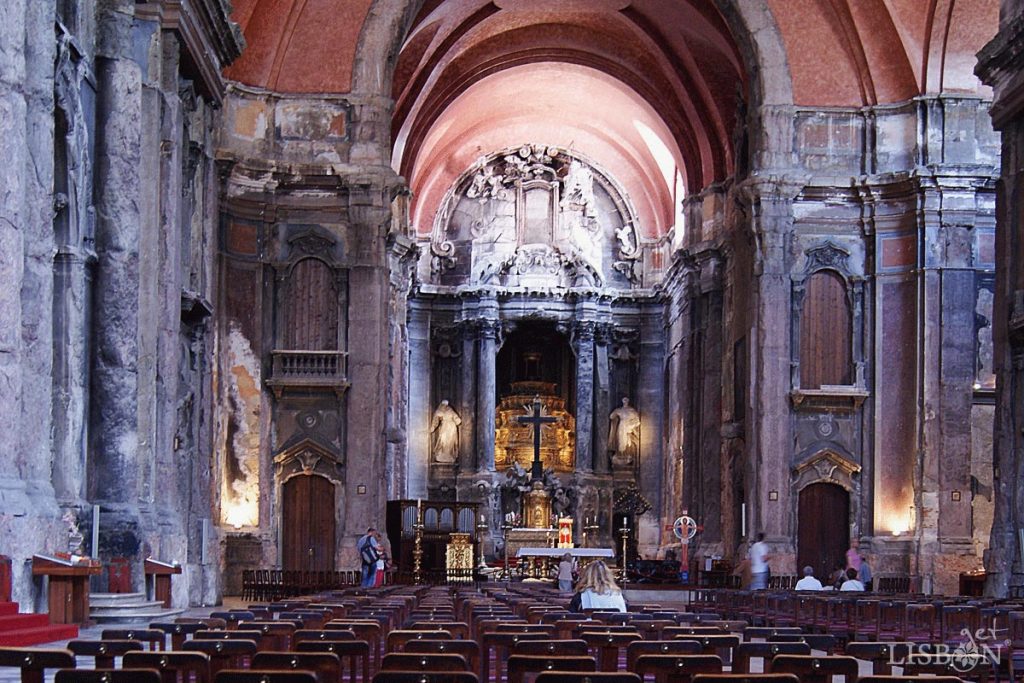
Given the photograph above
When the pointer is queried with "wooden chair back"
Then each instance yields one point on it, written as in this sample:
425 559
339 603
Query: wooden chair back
103 652
469 649
151 637
587 677
107 676
263 676
423 661
639 648
677 668
518 666
326 665
354 655
173 666
744 652
34 661
813 669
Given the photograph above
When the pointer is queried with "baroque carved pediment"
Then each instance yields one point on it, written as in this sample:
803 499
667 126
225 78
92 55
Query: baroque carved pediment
826 465
542 265
827 256
308 455
310 242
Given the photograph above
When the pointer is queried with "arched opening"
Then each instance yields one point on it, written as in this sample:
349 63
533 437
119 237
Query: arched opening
823 528
307 523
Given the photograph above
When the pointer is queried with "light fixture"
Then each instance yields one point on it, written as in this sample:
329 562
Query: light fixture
773 495
955 496
361 489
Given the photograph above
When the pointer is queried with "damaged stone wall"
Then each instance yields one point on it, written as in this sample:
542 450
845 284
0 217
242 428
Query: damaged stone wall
292 190
899 200
109 100
1001 67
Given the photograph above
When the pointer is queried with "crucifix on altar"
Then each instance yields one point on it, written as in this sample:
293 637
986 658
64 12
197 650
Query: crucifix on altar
537 503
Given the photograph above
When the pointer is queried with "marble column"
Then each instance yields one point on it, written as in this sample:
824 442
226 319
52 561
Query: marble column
419 402
601 397
114 436
583 346
486 398
770 448
466 400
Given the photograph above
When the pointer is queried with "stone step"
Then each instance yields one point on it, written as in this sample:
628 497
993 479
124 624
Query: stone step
127 615
113 599
142 606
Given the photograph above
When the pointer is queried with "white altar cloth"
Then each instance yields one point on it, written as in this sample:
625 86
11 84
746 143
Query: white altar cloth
589 553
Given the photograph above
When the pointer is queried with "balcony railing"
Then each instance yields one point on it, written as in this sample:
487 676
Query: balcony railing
309 370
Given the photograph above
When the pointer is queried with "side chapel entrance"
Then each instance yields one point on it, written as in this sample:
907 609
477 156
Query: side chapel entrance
308 524
823 522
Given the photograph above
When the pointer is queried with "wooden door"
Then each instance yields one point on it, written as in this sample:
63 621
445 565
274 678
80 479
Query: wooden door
308 524
823 529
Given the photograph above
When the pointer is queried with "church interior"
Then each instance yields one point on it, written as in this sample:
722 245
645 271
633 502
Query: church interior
512 271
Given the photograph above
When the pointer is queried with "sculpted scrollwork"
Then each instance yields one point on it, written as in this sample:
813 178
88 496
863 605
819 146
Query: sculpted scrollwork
536 216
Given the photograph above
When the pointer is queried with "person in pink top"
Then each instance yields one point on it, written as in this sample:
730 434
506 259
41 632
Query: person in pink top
853 556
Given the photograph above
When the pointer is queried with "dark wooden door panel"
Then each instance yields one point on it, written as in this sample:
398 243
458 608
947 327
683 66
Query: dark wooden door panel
308 525
823 528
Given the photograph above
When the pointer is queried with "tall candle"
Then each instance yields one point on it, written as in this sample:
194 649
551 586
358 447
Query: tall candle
483 519
624 521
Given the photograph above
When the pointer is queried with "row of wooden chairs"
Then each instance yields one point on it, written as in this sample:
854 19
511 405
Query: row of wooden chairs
274 584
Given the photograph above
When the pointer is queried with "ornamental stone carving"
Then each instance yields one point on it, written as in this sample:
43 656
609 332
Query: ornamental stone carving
536 216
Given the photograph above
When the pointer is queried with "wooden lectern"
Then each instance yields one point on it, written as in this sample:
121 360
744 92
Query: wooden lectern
161 573
68 586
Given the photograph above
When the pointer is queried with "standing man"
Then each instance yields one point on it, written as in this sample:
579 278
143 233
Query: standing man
865 573
759 563
369 553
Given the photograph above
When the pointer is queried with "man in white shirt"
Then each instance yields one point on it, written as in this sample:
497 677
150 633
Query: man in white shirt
759 564
808 583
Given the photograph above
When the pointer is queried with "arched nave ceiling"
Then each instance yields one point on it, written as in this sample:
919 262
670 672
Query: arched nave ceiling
592 74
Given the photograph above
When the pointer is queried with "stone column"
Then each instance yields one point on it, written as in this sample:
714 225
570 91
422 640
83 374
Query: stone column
27 507
114 468
486 399
583 347
602 397
770 449
466 399
419 401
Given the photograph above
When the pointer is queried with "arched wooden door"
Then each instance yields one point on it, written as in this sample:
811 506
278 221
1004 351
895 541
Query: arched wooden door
823 527
308 524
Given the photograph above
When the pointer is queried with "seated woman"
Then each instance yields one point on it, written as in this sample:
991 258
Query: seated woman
852 583
597 590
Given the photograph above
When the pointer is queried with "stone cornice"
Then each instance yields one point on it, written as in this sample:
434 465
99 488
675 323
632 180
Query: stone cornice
1001 65
211 40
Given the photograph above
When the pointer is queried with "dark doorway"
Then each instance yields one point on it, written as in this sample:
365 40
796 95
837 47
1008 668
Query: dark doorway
308 525
824 529
537 352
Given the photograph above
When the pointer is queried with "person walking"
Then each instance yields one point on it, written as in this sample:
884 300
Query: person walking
565 567
369 552
759 563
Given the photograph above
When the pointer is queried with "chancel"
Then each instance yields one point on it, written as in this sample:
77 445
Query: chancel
274 273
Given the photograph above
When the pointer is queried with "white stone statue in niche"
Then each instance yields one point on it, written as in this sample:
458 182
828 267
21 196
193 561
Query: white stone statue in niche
445 428
624 434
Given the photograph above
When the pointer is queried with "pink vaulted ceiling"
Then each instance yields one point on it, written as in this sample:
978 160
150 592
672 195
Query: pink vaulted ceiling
298 46
477 76
863 52
566 105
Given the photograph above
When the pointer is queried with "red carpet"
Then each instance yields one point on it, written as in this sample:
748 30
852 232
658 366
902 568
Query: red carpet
30 629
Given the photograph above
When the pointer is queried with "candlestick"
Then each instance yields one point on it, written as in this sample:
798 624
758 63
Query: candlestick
417 551
625 539
481 527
